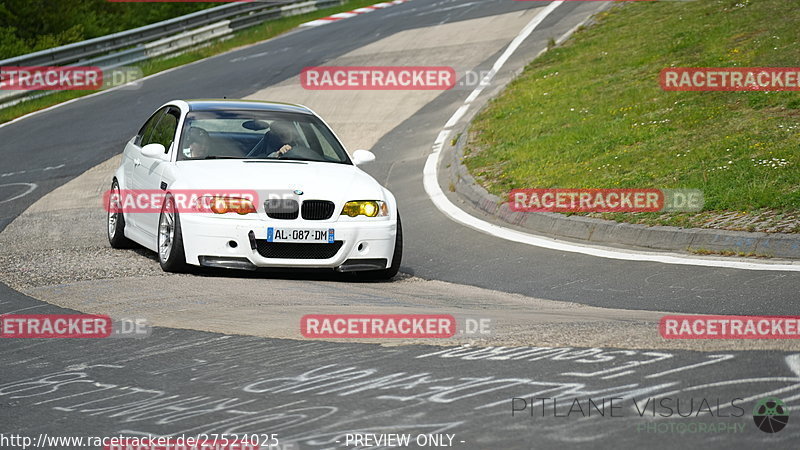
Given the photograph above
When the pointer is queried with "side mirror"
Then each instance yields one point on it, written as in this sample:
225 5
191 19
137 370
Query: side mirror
154 151
362 157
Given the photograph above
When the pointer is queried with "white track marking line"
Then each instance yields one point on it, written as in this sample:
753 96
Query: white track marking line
440 200
793 361
316 23
31 187
344 15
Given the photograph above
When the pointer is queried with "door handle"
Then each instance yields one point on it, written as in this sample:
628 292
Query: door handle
136 162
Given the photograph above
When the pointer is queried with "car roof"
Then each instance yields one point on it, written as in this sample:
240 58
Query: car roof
244 105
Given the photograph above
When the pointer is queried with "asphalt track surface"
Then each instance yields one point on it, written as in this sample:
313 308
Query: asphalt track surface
313 394
51 148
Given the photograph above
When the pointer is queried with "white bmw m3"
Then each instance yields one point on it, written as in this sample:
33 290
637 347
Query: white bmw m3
242 185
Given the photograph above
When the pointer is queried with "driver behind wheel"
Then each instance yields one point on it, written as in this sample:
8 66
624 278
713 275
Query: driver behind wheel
199 143
285 137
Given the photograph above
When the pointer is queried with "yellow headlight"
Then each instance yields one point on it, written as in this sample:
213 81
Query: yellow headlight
369 208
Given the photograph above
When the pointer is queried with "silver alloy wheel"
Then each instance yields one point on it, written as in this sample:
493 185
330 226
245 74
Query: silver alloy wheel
113 205
166 230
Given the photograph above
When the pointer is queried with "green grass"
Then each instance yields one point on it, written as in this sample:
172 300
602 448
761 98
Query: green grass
248 36
591 113
706 252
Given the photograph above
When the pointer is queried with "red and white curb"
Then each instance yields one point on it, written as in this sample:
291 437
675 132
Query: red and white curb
353 13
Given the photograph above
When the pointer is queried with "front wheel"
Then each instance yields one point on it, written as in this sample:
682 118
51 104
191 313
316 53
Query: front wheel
170 241
115 219
397 256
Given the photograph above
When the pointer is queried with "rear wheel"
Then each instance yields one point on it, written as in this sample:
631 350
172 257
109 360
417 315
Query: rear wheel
170 242
397 256
115 219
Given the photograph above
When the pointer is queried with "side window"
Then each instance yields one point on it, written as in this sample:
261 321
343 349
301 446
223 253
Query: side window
143 138
164 131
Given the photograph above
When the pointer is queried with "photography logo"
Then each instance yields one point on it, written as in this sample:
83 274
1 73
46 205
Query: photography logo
770 415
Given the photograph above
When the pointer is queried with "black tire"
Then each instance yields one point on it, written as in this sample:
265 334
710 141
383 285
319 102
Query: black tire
391 272
115 221
173 259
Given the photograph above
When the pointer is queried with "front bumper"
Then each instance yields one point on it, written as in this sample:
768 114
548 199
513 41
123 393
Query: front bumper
234 242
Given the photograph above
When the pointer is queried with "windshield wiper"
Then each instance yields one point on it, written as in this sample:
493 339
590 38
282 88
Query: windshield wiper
222 157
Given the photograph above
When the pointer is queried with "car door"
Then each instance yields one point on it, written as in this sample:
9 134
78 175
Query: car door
132 158
147 173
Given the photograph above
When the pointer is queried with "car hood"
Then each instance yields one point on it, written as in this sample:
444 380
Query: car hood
317 180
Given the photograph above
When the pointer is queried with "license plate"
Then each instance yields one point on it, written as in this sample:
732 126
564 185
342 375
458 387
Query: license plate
323 236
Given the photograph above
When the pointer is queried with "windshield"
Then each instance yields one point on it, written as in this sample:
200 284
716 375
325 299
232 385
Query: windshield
258 135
